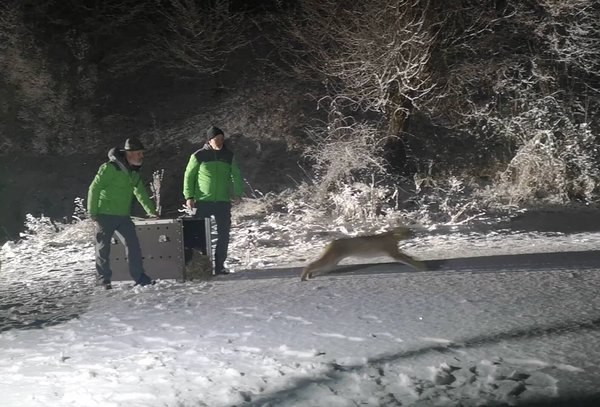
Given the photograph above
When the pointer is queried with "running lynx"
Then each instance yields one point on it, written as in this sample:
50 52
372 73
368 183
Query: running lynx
362 246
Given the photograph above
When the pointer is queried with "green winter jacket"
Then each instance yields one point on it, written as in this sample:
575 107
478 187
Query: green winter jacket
112 190
212 175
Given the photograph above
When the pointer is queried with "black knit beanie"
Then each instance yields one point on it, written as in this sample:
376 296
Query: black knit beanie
212 132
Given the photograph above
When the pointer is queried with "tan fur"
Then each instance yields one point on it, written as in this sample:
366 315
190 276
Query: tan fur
362 246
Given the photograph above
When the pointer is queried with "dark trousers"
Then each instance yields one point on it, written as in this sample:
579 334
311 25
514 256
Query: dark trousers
124 228
222 213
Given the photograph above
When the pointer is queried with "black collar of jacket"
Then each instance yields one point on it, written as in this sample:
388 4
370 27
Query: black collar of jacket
207 147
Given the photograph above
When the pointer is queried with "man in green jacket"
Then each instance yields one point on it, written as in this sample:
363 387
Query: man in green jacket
212 181
110 197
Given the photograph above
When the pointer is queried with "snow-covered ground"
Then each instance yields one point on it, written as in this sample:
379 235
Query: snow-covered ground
502 317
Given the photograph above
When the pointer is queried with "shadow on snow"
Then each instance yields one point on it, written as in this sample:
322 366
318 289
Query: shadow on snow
567 261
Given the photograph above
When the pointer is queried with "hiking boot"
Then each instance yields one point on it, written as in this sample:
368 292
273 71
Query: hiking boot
106 284
145 280
222 271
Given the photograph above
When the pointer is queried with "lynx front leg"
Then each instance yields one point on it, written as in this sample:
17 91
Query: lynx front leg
318 267
306 274
326 262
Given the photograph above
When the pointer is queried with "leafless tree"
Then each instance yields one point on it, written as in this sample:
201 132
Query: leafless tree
9 23
198 36
39 100
373 54
537 89
572 31
518 74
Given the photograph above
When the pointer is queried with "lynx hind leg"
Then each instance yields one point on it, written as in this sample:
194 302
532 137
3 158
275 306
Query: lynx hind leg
406 259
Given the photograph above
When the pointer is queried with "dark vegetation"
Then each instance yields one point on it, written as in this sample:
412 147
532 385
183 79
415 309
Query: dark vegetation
451 107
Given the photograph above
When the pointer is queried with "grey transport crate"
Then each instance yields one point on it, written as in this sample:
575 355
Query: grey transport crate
163 243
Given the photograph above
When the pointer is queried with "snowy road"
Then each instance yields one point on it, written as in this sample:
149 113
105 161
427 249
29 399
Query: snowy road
500 329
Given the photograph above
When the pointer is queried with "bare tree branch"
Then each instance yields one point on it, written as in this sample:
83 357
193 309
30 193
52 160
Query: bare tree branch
373 55
198 37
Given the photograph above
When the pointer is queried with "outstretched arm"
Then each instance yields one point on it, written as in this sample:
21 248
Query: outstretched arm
141 193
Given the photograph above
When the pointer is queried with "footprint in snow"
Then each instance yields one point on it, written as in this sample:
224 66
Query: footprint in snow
339 336
298 319
371 318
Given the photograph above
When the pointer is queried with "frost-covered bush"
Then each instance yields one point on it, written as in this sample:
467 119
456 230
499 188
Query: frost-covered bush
40 226
45 231
80 211
349 202
360 201
581 155
556 159
155 187
535 172
552 168
446 199
344 151
78 229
